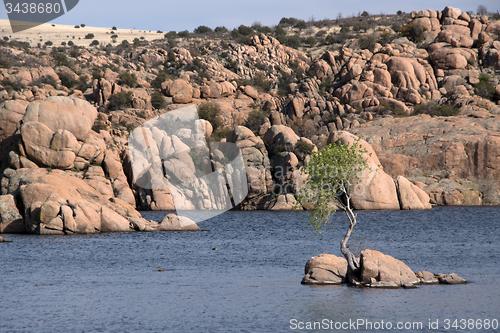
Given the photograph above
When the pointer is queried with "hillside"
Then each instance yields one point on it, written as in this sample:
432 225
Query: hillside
422 88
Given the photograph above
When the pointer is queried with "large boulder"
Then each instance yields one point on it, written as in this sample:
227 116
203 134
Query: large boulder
11 113
449 57
56 202
257 165
57 133
172 222
10 219
180 90
410 196
63 113
375 189
325 269
381 270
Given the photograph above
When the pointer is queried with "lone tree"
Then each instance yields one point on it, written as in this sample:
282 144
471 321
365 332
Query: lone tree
331 175
482 10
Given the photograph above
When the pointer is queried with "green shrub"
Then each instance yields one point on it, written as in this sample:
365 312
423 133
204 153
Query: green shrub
255 120
283 83
60 58
99 125
89 36
288 21
485 88
433 109
114 28
160 78
235 33
67 80
120 100
70 43
367 42
294 42
414 32
244 30
170 34
83 83
301 25
183 34
278 150
220 133
202 29
128 79
10 85
157 100
304 147
365 14
345 29
4 63
311 41
210 111
221 29
95 42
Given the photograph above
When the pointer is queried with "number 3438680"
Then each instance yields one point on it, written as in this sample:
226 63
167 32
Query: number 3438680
33 8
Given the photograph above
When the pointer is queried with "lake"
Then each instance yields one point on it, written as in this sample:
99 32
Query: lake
251 282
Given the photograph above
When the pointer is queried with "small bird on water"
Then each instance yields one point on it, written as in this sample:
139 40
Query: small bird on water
160 269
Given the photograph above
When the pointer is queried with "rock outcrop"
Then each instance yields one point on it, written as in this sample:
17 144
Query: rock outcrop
325 269
381 270
10 220
375 189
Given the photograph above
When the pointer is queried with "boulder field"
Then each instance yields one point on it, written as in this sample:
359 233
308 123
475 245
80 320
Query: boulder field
425 110
64 179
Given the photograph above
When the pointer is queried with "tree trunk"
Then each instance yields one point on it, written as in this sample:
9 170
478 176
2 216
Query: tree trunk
353 264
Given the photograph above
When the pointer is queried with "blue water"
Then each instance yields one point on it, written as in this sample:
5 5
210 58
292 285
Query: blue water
251 283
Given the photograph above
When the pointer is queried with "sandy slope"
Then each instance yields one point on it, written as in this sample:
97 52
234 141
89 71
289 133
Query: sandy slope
64 33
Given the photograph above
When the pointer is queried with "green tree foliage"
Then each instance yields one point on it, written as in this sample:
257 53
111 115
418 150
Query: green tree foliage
160 78
157 100
485 88
367 42
245 31
294 41
311 41
128 79
221 29
365 14
120 101
202 29
67 80
414 32
95 42
288 21
211 111
255 120
280 34
89 36
332 173
301 25
434 109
